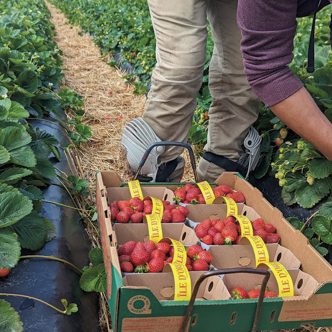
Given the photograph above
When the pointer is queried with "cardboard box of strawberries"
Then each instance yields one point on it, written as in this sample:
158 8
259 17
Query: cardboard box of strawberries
159 240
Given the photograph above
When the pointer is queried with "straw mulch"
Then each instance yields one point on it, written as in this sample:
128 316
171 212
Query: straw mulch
109 104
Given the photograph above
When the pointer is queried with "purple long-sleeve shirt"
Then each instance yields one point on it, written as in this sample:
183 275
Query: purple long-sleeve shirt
268 28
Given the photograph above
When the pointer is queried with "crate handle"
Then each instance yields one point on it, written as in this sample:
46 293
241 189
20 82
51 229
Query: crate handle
208 274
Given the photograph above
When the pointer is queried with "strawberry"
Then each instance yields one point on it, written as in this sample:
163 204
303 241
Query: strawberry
164 247
207 239
194 250
219 226
148 209
122 217
169 260
156 265
180 194
205 255
237 196
124 258
230 234
139 256
149 246
177 216
128 210
200 265
261 232
226 189
201 199
253 293
218 239
137 217
212 231
218 192
272 238
189 267
122 204
136 204
171 251
183 210
238 293
213 222
229 219
126 267
189 186
269 293
200 231
127 248
206 223
191 197
114 213
167 216
258 223
270 228
158 254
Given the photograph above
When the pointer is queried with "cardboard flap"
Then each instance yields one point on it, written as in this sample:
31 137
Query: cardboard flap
285 257
111 179
305 284
215 289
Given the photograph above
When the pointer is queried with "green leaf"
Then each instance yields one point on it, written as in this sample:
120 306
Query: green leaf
14 137
309 196
10 249
13 206
4 155
288 197
42 143
94 279
321 225
12 175
28 80
264 165
96 256
45 169
33 231
3 92
9 319
322 250
23 156
32 192
309 232
17 111
325 210
294 184
295 222
320 168
5 104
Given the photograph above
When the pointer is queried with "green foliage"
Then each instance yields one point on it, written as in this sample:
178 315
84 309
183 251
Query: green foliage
10 249
9 318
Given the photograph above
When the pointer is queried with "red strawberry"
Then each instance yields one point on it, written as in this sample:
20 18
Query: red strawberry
171 251
212 231
272 238
207 239
218 192
123 204
206 223
258 223
163 246
219 226
127 248
200 265
124 258
166 204
270 228
169 260
149 246
218 239
180 194
183 210
129 210
193 250
177 216
126 267
201 199
122 217
167 216
139 256
200 231
238 293
137 217
148 209
189 267
158 254
226 189
156 265
192 197
205 255
189 186
261 232
237 196
213 221
230 234
253 293
229 219
136 204
114 213
270 294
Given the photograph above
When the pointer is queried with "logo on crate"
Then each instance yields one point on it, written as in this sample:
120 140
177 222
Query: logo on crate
139 305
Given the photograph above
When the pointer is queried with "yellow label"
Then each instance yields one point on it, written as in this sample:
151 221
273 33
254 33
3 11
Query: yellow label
157 207
284 280
182 282
207 192
180 254
259 248
154 227
246 226
135 189
232 209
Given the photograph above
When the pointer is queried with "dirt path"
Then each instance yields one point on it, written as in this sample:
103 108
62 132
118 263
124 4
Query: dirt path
109 102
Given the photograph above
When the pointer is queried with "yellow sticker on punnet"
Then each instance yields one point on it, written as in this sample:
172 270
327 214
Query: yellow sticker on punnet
157 207
182 281
245 225
135 189
154 227
232 209
207 192
180 254
259 248
284 280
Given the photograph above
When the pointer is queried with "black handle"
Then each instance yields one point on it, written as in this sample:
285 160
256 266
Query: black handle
169 143
208 274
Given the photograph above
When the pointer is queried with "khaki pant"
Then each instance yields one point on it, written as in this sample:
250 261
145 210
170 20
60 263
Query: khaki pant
181 33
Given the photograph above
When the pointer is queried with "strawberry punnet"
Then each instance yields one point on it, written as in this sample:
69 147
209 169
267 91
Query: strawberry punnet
238 293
